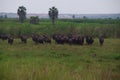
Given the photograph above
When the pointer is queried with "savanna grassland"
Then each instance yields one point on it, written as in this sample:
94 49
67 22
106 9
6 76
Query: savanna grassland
61 62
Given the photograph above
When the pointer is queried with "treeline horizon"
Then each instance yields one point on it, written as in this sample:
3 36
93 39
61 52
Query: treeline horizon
109 28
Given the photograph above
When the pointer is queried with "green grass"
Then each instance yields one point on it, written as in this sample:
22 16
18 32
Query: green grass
60 62
93 27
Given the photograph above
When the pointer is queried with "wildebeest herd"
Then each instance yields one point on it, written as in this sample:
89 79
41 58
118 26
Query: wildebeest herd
58 38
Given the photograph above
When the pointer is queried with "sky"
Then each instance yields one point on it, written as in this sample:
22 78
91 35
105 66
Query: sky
64 6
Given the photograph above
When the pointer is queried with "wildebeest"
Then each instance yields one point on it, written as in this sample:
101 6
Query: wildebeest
23 39
59 38
70 39
10 40
35 38
46 39
89 40
3 36
81 40
101 40
41 39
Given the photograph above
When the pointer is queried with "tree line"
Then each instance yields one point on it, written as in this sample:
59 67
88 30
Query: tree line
53 15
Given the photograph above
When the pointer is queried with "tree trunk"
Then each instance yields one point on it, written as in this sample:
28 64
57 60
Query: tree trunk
53 22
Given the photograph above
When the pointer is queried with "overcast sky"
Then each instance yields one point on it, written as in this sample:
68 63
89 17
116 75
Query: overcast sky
64 6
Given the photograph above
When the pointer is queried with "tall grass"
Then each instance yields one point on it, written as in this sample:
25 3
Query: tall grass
60 62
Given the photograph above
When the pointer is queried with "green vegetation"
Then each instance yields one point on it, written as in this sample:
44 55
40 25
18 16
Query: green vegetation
107 27
22 13
53 14
34 19
60 62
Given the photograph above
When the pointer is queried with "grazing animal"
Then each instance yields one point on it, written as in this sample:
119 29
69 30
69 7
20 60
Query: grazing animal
101 40
10 40
46 39
35 38
40 39
23 39
80 40
89 40
59 38
70 39
3 37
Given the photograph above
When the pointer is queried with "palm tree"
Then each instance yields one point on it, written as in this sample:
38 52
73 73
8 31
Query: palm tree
21 13
53 14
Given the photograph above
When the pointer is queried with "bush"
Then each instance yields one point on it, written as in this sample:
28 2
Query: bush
34 19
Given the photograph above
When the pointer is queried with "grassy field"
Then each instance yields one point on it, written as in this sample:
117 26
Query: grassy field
95 27
60 62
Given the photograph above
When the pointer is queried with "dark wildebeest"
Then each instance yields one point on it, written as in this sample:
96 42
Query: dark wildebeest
35 38
10 40
3 36
46 39
70 39
40 39
89 40
101 40
23 39
80 40
58 38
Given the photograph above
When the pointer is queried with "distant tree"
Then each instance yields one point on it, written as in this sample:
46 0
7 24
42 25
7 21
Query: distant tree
1 16
21 13
73 16
84 17
34 19
53 14
118 18
5 16
109 18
